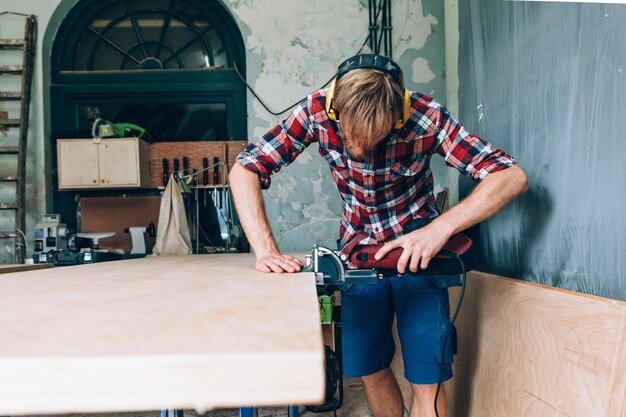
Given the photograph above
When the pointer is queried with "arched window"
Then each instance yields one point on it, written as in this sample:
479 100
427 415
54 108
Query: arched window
166 65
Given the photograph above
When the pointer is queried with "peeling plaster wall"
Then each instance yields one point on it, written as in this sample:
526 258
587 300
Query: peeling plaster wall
287 60
293 47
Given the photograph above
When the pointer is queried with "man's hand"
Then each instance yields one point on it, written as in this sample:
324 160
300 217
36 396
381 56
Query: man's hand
420 246
277 262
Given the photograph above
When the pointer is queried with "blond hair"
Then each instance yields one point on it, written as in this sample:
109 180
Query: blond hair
369 102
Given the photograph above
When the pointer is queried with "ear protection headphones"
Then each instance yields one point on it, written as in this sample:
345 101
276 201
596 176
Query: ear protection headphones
372 61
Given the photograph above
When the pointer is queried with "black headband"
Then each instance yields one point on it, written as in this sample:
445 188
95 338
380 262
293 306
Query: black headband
370 61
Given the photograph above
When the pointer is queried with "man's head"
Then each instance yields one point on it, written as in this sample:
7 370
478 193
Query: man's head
369 102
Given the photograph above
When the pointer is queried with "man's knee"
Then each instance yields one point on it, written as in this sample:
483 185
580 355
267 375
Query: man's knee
425 390
376 377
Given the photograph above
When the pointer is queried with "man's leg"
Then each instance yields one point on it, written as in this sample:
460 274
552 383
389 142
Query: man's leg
423 402
368 347
423 314
383 394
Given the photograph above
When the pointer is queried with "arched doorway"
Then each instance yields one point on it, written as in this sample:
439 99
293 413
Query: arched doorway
165 65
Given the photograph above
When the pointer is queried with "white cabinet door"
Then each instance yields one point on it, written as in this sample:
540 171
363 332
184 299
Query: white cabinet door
119 163
78 164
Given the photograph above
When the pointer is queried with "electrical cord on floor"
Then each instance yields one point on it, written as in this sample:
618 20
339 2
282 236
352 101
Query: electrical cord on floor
334 383
452 321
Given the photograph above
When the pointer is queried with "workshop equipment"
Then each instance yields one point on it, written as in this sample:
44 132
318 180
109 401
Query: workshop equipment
105 129
50 234
166 171
355 263
139 236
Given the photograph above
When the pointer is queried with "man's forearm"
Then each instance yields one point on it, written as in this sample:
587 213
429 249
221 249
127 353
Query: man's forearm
246 191
494 193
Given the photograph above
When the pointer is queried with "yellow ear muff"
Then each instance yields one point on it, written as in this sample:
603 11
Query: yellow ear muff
332 114
406 110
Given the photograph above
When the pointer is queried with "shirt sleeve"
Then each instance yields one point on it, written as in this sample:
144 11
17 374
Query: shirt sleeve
468 153
280 146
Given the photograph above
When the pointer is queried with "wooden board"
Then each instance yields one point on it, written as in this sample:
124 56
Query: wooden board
184 332
114 214
527 350
6 269
195 152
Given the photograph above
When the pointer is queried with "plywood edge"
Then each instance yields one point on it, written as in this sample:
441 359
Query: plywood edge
617 390
200 382
547 287
13 268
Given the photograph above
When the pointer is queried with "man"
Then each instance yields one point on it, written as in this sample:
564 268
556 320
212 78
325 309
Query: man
378 139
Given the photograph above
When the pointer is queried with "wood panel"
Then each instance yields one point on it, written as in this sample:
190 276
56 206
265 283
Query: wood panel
197 332
7 269
194 151
527 350
114 214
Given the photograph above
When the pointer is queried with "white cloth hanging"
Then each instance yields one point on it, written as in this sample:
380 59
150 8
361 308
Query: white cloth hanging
173 232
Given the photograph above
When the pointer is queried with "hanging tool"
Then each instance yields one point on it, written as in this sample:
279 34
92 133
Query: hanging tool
176 166
185 166
166 171
216 171
205 171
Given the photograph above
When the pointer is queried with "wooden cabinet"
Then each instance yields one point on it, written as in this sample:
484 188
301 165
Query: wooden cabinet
107 163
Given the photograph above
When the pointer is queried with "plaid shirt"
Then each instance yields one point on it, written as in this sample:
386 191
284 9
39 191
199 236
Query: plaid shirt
382 195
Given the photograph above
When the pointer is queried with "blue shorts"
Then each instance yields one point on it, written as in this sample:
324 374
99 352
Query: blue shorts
423 313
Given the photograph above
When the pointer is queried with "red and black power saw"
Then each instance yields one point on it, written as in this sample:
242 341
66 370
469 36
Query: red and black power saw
355 263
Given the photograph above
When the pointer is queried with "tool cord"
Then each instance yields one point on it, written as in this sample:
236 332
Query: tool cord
452 321
334 383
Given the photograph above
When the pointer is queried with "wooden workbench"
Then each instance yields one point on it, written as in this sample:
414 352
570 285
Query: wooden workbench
174 332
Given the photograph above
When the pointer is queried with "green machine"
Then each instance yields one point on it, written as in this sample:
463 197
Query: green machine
104 129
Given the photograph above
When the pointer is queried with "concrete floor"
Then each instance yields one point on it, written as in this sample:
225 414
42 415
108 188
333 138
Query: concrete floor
354 405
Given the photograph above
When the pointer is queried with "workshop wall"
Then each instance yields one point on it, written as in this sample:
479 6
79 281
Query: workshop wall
293 47
299 53
547 82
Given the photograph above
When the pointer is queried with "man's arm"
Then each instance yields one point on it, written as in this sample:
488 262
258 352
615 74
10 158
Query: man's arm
246 190
491 195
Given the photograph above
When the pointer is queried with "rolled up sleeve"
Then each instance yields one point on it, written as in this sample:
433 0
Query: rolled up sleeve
468 153
280 146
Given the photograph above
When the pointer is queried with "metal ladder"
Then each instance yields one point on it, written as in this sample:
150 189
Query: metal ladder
25 71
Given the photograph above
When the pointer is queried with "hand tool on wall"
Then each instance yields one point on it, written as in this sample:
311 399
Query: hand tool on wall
216 170
185 166
194 177
166 171
176 166
205 171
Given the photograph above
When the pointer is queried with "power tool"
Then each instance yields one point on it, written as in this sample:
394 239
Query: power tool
355 263
105 129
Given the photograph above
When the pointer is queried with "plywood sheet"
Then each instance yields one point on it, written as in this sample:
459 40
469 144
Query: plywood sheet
197 331
527 350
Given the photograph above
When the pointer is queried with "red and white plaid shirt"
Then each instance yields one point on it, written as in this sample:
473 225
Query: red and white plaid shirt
382 195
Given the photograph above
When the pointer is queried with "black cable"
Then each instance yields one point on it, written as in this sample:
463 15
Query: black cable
451 330
15 13
266 107
334 383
